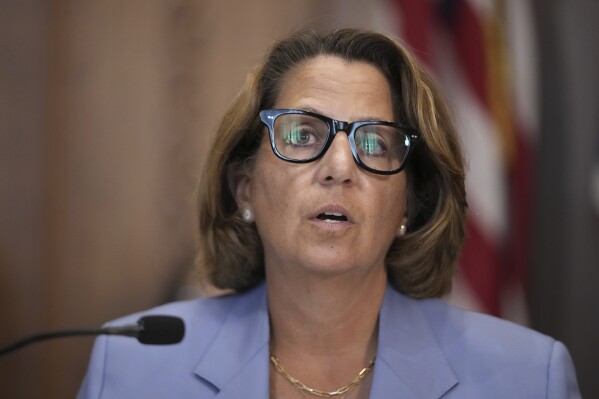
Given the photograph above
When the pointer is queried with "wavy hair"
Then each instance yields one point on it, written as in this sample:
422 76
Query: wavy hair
420 263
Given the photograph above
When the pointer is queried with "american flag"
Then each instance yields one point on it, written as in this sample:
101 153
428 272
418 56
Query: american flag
482 54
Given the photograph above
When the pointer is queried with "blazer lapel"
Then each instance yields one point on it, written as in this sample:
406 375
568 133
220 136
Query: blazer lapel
410 361
236 363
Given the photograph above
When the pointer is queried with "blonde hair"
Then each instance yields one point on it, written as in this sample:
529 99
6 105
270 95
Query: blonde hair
420 263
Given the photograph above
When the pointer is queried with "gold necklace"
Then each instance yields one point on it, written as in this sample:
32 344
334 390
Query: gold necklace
300 386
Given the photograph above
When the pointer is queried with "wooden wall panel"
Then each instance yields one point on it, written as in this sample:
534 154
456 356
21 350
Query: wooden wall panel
22 110
109 247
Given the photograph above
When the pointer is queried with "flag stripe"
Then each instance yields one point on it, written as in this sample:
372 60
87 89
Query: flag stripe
418 27
468 38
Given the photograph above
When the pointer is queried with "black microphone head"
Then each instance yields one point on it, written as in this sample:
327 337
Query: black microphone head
160 330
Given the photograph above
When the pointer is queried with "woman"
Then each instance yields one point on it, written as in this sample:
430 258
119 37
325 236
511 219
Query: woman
333 207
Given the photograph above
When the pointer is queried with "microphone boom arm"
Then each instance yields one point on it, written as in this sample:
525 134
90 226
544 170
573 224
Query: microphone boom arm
49 335
154 330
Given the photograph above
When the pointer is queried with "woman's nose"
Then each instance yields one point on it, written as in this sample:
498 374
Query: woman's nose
337 165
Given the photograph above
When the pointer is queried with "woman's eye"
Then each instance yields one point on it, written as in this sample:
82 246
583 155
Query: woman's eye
372 144
299 137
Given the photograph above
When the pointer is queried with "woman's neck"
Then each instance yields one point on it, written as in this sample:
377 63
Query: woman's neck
324 329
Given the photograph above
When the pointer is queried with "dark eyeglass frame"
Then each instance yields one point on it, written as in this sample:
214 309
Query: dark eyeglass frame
268 117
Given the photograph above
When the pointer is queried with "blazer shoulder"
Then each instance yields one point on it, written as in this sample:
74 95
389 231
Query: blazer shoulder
502 338
121 367
208 311
479 345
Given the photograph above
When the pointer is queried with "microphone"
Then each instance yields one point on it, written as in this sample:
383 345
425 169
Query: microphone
150 330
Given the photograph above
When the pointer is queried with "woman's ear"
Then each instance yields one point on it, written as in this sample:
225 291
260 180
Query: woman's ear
243 192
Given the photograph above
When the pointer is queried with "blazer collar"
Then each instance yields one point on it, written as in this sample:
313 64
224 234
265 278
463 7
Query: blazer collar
410 361
236 362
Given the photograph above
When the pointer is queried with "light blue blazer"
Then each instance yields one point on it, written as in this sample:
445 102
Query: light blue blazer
426 349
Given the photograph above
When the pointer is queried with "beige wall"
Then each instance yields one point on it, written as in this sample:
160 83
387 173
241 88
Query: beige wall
106 108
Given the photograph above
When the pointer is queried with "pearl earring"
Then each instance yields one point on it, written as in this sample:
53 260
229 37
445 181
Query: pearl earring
247 215
402 229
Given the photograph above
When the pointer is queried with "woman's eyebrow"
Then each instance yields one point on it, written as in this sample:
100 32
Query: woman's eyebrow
360 119
309 109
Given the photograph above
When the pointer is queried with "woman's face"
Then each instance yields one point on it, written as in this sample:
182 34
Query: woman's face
297 207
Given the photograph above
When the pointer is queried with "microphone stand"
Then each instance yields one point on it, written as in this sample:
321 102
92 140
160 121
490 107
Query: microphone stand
151 330
132 330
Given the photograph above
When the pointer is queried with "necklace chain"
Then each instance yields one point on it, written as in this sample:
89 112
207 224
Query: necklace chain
300 386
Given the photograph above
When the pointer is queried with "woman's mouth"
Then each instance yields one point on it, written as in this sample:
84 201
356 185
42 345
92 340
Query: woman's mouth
332 217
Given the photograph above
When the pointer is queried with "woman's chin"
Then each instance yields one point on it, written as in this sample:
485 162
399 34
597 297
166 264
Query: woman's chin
333 265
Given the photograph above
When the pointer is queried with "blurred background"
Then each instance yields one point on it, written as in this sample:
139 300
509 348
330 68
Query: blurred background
107 109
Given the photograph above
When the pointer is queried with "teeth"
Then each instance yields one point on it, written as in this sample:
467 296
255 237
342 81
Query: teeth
332 217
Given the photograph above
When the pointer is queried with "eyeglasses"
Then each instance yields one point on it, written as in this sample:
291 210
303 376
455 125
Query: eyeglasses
300 136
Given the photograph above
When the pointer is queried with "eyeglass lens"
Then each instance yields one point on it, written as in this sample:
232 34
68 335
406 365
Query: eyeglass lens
302 137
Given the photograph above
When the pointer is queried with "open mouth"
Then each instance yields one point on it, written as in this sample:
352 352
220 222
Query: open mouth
332 217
